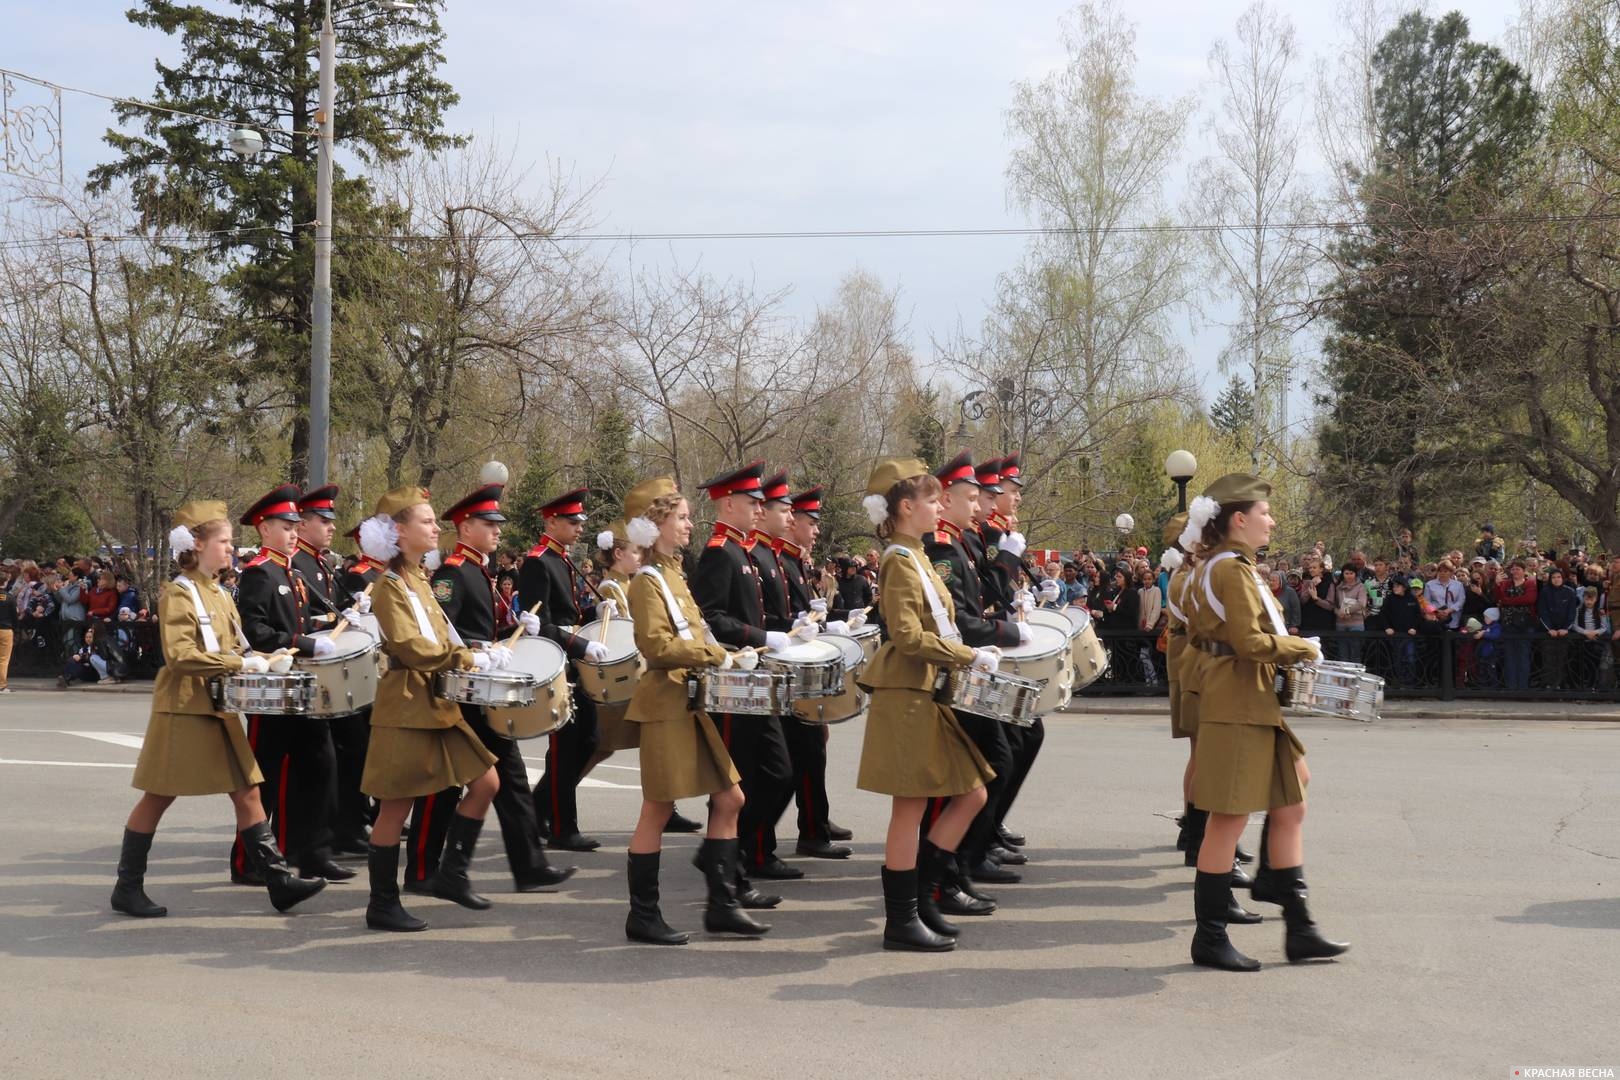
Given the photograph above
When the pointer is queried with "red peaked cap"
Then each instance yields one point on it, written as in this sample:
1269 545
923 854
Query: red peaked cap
570 505
775 488
988 475
320 501
1010 471
744 481
808 502
484 503
958 470
281 502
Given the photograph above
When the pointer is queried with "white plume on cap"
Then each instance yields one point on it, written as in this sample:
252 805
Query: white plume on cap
1171 559
181 539
604 539
433 559
641 531
877 508
379 537
1200 513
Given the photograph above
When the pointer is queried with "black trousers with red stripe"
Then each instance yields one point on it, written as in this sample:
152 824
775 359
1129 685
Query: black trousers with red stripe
759 750
1026 747
514 810
993 738
807 749
300 787
568 751
352 813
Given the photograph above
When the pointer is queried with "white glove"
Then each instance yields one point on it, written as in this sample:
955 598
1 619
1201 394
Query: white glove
819 606
595 652
1316 646
362 604
281 664
986 660
1024 633
838 626
255 665
857 619
1012 543
499 657
352 614
530 622
804 628
325 646
1049 590
725 665
776 641
606 609
481 661
745 661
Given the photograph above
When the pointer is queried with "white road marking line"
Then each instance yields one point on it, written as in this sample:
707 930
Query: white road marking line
540 761
74 764
116 738
589 781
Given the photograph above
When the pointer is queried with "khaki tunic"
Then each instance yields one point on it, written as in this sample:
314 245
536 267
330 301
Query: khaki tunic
682 754
613 730
914 747
1245 754
1176 647
419 742
190 747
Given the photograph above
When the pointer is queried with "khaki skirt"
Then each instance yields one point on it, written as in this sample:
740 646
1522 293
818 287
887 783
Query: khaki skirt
683 757
915 748
1241 768
613 731
402 763
195 754
1178 712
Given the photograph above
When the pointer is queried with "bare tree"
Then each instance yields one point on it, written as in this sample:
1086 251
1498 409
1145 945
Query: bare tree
1346 115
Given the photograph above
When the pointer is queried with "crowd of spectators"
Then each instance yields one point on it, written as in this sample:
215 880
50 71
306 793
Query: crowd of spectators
79 615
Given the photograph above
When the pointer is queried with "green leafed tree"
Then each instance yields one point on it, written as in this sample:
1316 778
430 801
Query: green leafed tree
1233 412
255 64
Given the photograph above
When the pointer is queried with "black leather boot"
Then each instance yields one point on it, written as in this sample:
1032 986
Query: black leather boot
964 879
902 929
1212 895
383 911
129 895
1303 941
645 922
286 888
1264 889
934 865
451 882
1196 821
954 897
723 914
1181 828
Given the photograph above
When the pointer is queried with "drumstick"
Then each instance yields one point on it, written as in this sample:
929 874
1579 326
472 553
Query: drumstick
343 623
519 631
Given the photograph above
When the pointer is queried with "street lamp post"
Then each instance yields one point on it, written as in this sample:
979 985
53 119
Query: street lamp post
1003 399
1181 466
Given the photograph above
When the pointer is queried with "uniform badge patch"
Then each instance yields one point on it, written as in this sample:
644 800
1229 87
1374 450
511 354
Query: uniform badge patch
943 569
443 590
992 551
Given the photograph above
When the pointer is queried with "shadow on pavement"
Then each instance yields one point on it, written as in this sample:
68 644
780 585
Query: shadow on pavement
1601 914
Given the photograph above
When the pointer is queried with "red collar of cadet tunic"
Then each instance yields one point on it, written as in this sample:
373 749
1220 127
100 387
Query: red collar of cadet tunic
723 532
270 554
757 538
463 553
308 548
784 546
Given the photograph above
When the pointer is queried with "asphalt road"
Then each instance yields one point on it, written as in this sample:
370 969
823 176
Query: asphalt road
1472 863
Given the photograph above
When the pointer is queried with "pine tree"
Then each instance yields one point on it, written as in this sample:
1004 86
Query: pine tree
258 66
1233 412
609 472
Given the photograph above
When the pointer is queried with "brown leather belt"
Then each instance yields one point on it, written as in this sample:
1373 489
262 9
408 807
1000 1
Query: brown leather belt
1214 648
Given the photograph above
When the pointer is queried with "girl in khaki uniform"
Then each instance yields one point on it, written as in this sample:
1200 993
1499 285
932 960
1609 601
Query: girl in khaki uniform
682 754
1247 759
191 747
419 742
914 748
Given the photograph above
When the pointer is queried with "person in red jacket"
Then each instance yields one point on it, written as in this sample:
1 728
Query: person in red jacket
101 601
1516 596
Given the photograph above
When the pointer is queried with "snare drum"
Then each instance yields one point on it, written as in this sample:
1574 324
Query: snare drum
1331 688
611 681
1054 618
817 667
290 693
1007 698
552 706
346 681
840 707
490 689
870 637
758 692
1089 658
1045 660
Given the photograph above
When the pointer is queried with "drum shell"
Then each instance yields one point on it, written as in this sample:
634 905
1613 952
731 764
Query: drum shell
1007 698
752 693
1045 660
849 704
553 704
1088 657
869 637
612 681
270 693
813 676
345 682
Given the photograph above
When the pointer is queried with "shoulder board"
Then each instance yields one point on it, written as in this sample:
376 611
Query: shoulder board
392 575
455 560
716 542
257 560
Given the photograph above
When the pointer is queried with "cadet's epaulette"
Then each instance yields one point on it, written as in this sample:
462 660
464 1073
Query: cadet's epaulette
455 560
717 541
257 560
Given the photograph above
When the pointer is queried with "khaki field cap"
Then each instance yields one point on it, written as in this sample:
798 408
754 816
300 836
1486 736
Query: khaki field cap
400 499
200 512
890 471
1238 488
1172 529
644 494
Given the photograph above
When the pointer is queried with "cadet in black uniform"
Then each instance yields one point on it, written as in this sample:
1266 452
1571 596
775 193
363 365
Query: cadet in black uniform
311 558
960 570
548 577
351 820
727 586
294 753
817 832
465 590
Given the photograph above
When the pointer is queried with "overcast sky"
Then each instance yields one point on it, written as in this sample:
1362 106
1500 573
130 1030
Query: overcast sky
750 116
